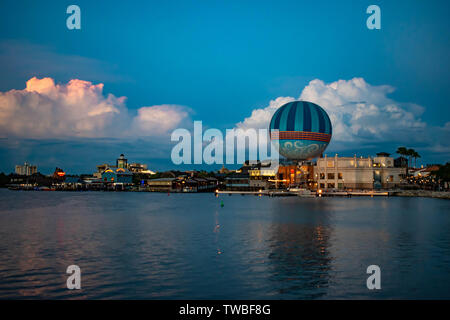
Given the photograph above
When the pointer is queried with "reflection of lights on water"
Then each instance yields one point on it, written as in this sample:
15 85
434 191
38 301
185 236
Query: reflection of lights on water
217 231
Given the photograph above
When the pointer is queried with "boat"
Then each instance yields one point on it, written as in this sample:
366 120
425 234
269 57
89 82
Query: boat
302 192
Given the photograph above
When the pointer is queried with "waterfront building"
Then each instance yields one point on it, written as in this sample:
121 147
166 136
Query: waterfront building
26 169
238 182
122 162
358 173
183 183
117 177
58 174
425 172
100 169
252 176
139 168
72 183
300 175
261 178
162 184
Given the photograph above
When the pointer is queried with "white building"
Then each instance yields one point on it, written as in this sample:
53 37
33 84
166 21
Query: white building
26 169
357 173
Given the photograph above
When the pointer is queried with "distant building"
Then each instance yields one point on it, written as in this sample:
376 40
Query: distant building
163 184
184 183
238 181
100 169
26 170
294 175
59 174
425 172
117 176
261 176
122 163
357 173
139 168
224 170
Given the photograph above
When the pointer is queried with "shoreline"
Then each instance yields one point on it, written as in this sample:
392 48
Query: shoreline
423 194
284 193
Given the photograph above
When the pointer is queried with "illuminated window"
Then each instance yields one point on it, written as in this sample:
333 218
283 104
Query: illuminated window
330 185
322 175
331 176
340 175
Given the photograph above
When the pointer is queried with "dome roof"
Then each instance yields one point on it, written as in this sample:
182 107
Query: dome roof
301 116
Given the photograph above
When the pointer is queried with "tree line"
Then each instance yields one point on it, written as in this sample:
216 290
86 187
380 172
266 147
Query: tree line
409 154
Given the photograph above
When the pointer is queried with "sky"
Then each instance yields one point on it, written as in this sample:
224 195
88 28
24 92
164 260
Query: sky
138 70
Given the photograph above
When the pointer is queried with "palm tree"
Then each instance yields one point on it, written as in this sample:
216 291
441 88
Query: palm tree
415 156
410 154
402 151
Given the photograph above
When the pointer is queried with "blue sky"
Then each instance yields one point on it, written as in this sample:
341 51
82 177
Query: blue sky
221 60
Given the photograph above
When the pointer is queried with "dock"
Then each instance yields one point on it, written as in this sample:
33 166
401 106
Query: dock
286 193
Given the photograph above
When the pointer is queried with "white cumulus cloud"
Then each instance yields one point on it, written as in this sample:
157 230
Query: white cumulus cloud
358 111
79 108
159 119
260 118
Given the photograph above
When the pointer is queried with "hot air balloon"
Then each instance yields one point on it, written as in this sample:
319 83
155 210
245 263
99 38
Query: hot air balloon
304 130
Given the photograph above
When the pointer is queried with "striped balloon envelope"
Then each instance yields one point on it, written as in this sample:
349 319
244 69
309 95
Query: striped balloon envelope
301 130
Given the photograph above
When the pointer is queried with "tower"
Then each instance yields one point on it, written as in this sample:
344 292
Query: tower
121 162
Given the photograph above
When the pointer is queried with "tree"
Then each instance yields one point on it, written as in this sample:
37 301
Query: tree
4 180
410 153
415 155
444 172
402 151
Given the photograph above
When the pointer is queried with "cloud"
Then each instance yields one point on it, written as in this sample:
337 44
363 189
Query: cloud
79 109
358 111
362 112
160 119
260 118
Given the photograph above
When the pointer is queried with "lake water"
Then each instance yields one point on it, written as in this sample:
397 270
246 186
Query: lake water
186 246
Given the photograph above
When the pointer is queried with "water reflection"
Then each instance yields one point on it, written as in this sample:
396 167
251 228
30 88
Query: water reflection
300 258
187 246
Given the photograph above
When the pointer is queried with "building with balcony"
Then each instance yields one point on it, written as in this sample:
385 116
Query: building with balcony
358 173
